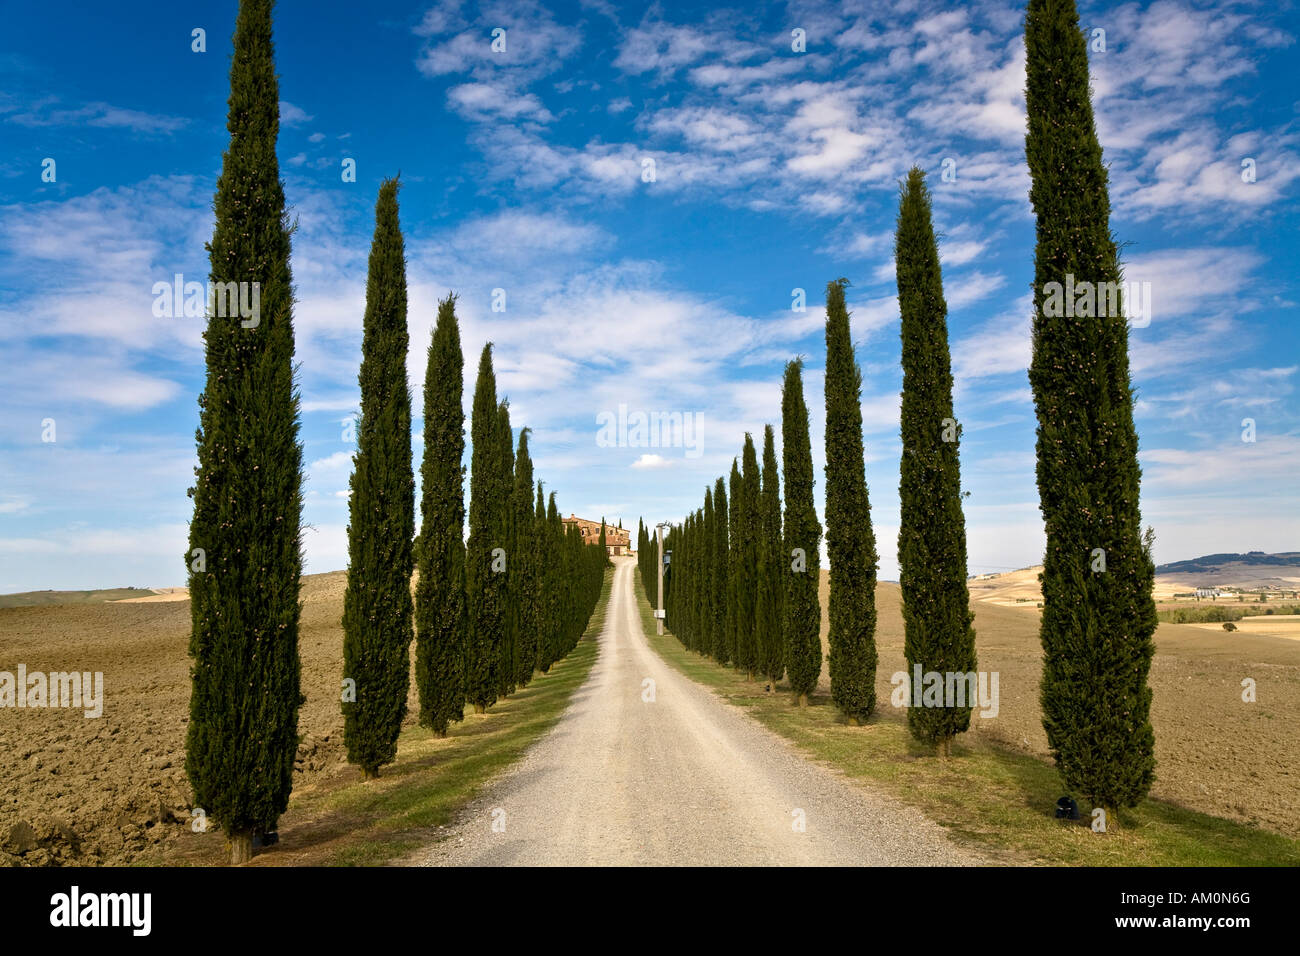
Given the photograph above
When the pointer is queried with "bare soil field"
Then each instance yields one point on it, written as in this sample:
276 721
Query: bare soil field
1214 752
112 789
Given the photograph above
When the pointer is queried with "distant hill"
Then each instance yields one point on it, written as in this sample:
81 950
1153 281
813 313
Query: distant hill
1216 563
44 598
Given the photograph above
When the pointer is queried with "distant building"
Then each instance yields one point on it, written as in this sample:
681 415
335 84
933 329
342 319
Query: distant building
617 540
1211 593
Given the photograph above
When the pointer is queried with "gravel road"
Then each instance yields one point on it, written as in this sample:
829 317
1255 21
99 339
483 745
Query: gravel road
684 779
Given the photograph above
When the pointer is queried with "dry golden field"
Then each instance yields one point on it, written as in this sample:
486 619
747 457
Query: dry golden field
1214 752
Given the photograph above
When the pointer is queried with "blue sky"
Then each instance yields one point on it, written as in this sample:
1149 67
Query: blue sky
523 170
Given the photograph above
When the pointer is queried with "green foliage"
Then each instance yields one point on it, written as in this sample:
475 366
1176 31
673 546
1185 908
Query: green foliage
747 567
937 619
484 586
377 605
546 581
705 581
440 619
504 507
718 572
523 580
731 636
552 635
850 540
243 729
769 598
801 606
1097 627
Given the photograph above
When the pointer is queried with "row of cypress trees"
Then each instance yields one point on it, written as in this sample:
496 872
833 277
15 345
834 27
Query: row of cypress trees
1098 616
485 616
771 610
488 611
742 586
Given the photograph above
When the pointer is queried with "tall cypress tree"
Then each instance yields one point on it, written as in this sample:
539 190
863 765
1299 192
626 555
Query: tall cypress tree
735 543
543 560
771 650
244 557
377 606
554 585
1098 614
524 573
708 593
938 635
747 574
505 519
697 575
850 541
800 560
440 619
484 586
718 572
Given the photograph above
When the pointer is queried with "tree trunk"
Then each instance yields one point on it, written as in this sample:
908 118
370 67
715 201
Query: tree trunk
480 709
241 847
369 773
803 700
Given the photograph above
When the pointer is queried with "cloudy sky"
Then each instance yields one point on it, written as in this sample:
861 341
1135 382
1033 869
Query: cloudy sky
527 170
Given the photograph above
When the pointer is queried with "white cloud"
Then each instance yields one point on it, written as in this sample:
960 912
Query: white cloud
291 115
652 461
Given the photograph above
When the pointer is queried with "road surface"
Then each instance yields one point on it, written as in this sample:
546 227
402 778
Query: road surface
684 779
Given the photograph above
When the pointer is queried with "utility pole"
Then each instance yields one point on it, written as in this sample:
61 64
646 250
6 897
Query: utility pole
659 615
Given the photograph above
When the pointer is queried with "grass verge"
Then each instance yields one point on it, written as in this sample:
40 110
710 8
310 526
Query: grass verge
988 797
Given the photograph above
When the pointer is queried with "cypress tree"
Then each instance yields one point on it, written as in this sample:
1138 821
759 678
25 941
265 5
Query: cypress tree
1098 614
572 587
524 573
718 572
543 559
377 605
938 635
801 569
484 586
506 664
850 541
554 584
747 574
688 579
697 576
735 542
440 619
771 651
708 592
682 552
245 558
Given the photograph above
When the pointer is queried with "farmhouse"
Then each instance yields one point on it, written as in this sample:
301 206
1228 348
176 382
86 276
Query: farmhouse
617 540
